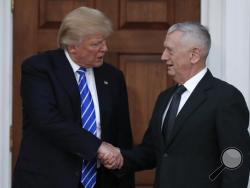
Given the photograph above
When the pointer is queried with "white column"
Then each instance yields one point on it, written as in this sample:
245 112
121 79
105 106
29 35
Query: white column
5 92
229 25
237 45
212 16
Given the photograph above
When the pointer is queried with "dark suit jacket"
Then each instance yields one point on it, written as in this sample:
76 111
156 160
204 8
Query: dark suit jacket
54 143
214 118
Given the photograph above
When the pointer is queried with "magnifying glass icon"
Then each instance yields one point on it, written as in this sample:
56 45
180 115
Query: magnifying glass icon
231 159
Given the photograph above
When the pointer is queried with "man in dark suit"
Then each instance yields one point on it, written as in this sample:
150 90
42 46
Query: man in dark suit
55 142
211 116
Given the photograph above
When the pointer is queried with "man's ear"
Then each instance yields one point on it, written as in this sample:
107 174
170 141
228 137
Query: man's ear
72 49
195 55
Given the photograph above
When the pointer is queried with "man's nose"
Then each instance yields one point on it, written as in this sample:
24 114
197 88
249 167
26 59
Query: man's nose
104 46
164 55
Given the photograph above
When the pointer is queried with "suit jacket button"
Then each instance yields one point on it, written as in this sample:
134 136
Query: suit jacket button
165 154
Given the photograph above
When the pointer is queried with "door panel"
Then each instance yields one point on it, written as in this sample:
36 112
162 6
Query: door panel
135 48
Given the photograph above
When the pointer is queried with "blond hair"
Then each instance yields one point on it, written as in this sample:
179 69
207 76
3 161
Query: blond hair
80 23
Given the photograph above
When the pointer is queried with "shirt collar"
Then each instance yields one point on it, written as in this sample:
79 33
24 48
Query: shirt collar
74 66
193 82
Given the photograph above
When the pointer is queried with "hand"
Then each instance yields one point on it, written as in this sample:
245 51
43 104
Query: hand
110 156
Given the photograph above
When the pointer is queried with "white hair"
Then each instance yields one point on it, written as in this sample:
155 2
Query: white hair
195 32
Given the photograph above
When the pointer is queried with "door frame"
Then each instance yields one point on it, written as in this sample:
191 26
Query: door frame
6 56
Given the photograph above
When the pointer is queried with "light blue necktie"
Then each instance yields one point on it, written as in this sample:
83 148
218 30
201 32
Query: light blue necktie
88 178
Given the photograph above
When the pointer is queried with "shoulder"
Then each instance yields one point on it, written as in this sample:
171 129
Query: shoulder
165 94
167 91
109 70
41 60
225 89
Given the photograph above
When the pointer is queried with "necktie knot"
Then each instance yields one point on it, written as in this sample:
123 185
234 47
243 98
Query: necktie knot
181 89
81 71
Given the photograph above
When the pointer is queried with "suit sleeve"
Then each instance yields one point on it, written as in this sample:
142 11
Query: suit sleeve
232 123
43 117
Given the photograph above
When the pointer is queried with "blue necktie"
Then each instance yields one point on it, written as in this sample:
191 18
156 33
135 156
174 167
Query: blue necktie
88 178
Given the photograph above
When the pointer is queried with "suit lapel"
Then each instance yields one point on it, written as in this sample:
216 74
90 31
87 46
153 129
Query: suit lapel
102 85
66 77
197 98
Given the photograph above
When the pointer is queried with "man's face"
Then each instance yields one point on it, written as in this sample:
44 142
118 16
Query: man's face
90 52
177 56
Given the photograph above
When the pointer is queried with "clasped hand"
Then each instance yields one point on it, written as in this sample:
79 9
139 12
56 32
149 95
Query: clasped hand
110 156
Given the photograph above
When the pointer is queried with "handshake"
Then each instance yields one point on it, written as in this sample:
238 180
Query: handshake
110 156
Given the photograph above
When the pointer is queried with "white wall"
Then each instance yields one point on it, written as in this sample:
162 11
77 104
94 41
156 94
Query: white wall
5 91
229 24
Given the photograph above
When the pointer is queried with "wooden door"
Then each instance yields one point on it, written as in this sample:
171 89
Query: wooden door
135 47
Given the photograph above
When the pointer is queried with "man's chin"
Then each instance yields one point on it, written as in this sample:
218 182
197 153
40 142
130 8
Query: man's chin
171 73
98 63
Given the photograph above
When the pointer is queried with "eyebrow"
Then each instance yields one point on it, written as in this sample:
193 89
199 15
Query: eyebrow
169 48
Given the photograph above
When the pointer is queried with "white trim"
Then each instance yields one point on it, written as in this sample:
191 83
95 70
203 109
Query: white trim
6 92
229 24
237 45
213 18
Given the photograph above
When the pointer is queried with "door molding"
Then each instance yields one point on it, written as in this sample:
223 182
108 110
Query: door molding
6 92
228 22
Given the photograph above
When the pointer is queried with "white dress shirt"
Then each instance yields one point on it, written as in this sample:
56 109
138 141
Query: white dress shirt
190 86
92 87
